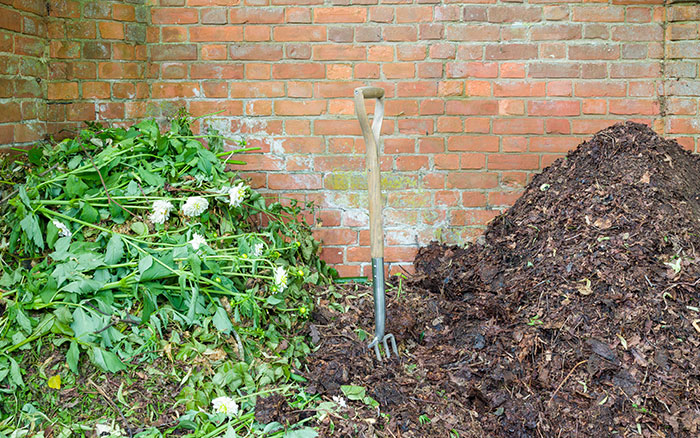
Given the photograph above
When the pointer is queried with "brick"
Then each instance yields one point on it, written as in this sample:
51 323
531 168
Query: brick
298 71
300 108
7 134
554 108
635 70
256 33
683 126
62 90
448 13
472 143
447 161
471 180
557 126
399 70
211 52
417 89
514 13
472 161
428 31
64 49
174 52
216 71
122 51
10 20
416 126
123 12
299 33
10 112
553 144
298 51
594 51
111 110
81 111
256 89
339 53
174 34
442 51
518 126
513 162
111 31
345 14
450 88
473 217
511 51
511 107
297 15
472 32
168 90
216 33
368 34
398 33
598 14
299 89
280 181
430 70
411 52
638 32
119 70
174 16
556 12
415 14
590 126
471 107
634 107
399 146
559 88
215 89
65 9
213 16
556 32
555 70
472 69
518 89
96 90
229 108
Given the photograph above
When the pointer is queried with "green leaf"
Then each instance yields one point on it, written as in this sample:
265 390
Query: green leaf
15 373
139 228
73 356
353 392
23 196
151 178
61 252
89 214
24 322
107 360
306 432
35 155
221 321
115 249
30 226
157 267
145 263
75 187
84 326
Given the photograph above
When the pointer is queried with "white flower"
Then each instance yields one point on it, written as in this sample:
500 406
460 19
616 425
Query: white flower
237 194
197 241
340 401
194 206
105 430
280 278
257 250
225 405
63 230
161 211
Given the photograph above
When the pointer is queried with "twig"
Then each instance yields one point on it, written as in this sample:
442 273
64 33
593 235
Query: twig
565 379
114 406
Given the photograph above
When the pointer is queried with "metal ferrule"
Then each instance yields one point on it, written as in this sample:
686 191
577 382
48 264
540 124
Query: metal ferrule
379 300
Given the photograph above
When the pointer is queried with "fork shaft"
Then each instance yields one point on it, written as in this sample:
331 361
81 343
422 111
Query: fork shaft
379 300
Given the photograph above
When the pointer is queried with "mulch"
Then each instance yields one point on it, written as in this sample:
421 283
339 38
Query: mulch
576 313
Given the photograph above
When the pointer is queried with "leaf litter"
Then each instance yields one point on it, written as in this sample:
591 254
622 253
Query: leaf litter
564 319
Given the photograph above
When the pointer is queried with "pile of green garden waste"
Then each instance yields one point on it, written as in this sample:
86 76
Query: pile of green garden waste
134 251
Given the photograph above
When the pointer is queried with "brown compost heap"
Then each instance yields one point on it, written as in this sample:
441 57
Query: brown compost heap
577 313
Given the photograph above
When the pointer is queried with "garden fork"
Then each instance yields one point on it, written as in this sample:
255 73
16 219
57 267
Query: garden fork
371 136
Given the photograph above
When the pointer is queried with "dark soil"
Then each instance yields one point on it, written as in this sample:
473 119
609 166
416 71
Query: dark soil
576 314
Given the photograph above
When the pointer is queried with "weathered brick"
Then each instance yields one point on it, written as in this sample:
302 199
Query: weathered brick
174 16
179 52
554 108
62 90
216 33
511 51
472 143
299 33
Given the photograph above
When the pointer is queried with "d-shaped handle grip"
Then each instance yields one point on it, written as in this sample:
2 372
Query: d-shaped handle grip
371 136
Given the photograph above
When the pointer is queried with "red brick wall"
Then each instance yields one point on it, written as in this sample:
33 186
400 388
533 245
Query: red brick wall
23 70
480 93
